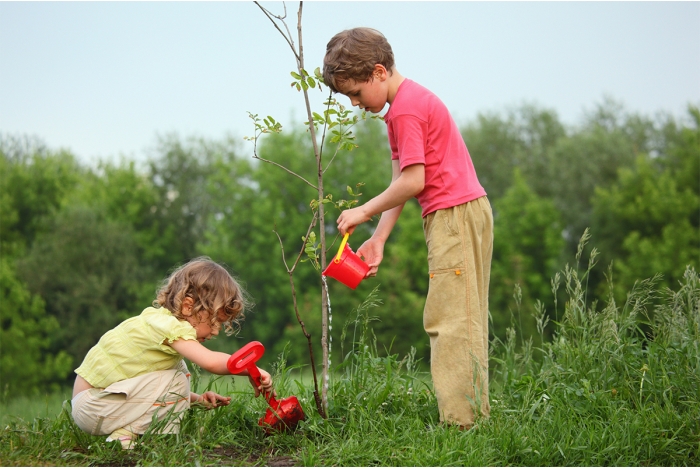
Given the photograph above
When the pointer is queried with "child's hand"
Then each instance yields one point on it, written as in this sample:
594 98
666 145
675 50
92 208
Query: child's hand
372 252
212 400
350 218
265 384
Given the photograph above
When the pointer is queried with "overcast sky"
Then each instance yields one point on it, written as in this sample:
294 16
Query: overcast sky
105 79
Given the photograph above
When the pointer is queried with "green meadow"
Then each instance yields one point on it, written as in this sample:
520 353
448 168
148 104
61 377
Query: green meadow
616 385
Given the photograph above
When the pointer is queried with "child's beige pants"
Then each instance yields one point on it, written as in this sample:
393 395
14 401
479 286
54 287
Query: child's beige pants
132 404
460 246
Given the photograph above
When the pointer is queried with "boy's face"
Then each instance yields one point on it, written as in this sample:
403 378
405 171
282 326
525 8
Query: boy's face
371 95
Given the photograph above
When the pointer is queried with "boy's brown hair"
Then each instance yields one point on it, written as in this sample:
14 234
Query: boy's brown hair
210 286
352 55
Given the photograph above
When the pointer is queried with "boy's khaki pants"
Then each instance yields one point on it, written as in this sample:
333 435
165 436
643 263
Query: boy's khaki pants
132 404
460 246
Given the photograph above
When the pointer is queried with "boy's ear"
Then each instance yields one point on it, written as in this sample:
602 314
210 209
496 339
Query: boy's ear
380 72
187 304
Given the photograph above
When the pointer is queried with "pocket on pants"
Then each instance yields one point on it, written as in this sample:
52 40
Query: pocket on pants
446 303
442 236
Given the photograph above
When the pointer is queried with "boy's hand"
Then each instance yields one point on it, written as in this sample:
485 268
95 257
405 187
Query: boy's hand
213 400
372 251
350 218
265 384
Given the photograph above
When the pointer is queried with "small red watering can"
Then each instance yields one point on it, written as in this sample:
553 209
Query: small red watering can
281 415
347 267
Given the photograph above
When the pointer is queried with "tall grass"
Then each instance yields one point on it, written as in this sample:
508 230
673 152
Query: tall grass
614 386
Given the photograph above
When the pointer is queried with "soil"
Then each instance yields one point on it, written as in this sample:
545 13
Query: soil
231 457
227 456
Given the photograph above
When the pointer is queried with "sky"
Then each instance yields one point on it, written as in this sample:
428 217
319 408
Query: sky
105 80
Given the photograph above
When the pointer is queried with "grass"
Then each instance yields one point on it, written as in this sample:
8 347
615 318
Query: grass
27 408
615 386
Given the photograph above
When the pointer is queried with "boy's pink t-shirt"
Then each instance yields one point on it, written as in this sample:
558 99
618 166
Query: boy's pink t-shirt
421 130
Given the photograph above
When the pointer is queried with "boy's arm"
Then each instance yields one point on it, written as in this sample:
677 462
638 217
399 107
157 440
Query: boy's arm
404 185
372 250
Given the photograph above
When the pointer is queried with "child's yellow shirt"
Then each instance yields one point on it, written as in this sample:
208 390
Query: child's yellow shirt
135 347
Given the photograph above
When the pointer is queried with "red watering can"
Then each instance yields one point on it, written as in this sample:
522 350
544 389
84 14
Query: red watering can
347 267
281 415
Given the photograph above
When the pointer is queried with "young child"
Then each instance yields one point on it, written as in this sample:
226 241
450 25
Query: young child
430 162
136 372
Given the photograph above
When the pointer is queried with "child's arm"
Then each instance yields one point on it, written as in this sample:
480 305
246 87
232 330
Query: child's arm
404 185
216 362
410 181
372 250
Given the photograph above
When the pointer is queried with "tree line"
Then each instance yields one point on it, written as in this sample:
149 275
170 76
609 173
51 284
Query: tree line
83 247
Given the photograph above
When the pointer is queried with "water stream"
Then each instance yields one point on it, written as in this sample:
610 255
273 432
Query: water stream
330 342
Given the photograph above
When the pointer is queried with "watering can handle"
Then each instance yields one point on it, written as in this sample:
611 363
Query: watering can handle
255 375
267 394
342 247
244 359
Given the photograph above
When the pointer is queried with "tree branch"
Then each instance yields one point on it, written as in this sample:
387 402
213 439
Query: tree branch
287 37
285 169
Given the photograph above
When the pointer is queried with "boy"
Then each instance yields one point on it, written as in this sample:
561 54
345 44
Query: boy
430 162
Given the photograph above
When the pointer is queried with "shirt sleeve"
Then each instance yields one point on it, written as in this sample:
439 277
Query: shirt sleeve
409 133
166 327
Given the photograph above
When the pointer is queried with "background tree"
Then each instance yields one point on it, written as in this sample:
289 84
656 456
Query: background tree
33 184
86 270
179 173
27 364
526 251
124 195
524 139
648 220
559 164
590 157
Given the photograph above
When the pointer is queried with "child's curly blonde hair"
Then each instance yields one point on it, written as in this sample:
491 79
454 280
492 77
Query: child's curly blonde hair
211 288
352 55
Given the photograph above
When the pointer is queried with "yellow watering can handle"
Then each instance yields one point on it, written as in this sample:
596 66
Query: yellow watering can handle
342 247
